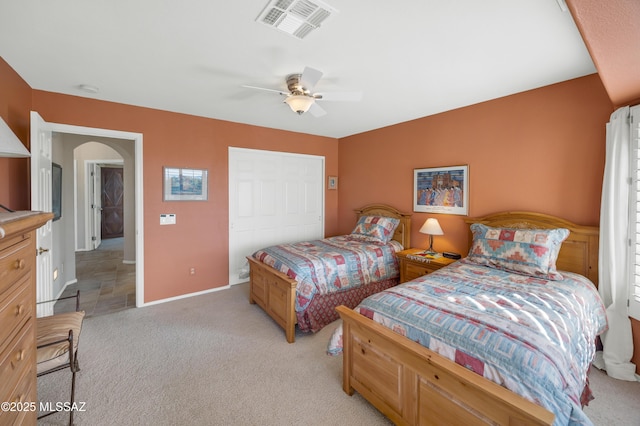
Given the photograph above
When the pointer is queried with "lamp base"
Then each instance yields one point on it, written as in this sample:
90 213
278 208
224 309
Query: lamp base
430 250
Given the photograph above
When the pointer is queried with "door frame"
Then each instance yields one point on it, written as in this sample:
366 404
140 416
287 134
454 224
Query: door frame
139 189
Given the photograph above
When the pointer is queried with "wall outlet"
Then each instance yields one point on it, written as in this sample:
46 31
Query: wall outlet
192 271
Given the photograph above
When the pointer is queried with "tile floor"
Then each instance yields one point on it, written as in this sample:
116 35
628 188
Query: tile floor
106 284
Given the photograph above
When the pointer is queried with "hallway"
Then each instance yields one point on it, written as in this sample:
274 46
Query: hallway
106 284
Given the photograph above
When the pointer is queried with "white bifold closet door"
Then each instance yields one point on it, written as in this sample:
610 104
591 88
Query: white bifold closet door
274 198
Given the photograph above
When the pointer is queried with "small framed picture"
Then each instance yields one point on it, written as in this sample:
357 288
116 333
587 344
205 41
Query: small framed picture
441 190
332 182
185 184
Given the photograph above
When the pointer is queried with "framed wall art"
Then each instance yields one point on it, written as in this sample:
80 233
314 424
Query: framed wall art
185 184
441 190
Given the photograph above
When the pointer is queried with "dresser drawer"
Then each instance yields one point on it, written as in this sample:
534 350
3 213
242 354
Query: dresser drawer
24 394
16 258
17 362
16 307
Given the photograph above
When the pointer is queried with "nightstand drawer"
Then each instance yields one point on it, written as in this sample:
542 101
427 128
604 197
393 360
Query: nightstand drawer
413 270
413 266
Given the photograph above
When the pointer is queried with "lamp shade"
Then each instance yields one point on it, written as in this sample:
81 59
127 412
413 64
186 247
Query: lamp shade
299 103
431 227
10 145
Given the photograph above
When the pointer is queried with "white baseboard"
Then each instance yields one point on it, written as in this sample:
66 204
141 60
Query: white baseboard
64 287
184 296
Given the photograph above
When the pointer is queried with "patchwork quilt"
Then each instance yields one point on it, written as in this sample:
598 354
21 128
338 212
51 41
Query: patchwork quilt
533 336
332 264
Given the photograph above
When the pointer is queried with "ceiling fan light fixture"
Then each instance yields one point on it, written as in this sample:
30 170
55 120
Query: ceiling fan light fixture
299 103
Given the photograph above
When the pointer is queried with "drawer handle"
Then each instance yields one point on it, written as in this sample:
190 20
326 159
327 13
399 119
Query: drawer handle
20 355
20 263
19 309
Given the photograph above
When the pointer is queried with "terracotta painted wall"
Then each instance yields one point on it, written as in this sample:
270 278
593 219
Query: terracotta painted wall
200 238
15 104
540 150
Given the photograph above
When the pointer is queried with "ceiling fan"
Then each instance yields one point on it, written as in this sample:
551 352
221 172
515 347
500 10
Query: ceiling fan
300 97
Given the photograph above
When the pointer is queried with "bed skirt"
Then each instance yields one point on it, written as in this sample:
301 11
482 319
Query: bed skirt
322 309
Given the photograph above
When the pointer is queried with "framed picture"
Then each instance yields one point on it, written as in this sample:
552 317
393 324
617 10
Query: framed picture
441 190
185 184
332 182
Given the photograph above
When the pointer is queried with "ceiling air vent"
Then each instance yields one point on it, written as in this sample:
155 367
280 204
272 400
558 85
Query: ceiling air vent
295 17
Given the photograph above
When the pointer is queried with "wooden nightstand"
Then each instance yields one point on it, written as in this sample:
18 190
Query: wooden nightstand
411 268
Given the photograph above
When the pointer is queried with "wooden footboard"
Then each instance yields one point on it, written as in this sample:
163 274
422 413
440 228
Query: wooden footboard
274 292
413 385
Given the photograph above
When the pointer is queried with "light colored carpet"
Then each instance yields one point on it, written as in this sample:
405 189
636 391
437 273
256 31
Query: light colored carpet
217 360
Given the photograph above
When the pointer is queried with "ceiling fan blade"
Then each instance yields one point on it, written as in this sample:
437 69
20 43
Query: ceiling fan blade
339 96
267 90
310 78
316 110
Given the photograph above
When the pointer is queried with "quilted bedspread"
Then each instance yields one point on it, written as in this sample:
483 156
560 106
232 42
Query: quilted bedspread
331 264
532 336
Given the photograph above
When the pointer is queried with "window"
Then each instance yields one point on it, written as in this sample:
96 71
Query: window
634 226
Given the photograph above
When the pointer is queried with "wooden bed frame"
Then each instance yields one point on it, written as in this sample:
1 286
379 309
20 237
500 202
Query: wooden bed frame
275 292
412 385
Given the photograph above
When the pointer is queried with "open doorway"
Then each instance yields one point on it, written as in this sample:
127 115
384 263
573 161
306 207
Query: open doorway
104 198
71 228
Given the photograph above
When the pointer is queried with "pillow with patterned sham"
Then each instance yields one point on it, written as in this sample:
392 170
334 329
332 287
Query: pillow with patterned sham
375 229
524 251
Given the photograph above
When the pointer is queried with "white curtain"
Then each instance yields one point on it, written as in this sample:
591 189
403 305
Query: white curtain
614 266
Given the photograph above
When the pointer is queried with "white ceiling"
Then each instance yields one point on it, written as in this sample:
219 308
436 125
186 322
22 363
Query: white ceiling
410 58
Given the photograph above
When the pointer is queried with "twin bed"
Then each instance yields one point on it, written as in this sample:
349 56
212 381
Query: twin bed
546 327
282 277
483 341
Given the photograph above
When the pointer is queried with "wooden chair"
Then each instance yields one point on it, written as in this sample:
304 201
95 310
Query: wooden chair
57 339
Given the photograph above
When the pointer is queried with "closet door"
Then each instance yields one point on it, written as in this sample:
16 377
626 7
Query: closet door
274 198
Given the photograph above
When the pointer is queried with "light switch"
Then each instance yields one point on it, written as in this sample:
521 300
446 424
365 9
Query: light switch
168 219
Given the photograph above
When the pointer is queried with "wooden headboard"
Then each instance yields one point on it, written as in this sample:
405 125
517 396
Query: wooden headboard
579 252
403 231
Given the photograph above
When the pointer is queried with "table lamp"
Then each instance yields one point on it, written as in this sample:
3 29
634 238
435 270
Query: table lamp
431 227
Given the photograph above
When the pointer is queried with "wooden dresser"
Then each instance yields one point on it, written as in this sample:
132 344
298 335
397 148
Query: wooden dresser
18 315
